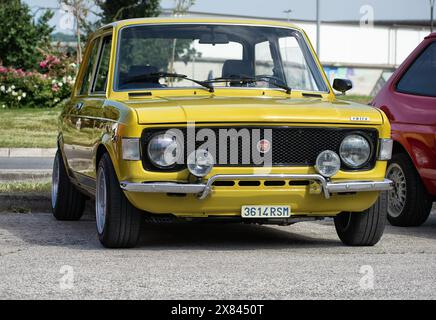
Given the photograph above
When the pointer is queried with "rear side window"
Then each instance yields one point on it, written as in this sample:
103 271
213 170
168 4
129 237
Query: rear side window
420 79
90 64
103 66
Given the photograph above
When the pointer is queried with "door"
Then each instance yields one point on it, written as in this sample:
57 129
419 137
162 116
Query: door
96 109
79 121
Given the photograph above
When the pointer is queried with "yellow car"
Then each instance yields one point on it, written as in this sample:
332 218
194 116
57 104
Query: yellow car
216 120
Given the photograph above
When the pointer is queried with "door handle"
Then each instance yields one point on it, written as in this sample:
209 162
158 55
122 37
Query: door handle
79 106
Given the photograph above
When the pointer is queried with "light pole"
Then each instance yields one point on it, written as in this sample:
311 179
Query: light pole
288 14
431 15
318 27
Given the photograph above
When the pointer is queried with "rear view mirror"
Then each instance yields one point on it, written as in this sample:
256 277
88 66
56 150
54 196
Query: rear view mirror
342 85
214 38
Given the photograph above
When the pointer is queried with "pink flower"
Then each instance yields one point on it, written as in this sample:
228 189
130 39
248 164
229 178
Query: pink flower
55 60
55 87
20 73
3 69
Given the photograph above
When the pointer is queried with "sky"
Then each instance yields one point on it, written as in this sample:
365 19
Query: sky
330 9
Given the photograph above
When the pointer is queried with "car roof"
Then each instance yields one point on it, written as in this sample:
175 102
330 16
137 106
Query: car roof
431 36
254 22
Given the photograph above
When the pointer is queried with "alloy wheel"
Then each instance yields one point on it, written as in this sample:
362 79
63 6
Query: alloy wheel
398 195
100 201
55 182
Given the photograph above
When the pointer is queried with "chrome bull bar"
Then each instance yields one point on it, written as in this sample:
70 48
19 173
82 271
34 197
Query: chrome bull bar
203 190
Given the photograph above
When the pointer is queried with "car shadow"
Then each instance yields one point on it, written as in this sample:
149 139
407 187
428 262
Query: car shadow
227 236
425 231
44 230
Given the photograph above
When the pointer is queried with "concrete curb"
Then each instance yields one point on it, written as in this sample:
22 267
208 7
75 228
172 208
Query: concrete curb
25 202
33 203
24 175
27 152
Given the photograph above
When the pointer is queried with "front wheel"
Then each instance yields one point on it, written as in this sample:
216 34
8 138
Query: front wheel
67 202
363 228
118 221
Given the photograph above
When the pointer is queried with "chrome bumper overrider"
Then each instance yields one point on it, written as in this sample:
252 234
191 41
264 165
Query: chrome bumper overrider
204 189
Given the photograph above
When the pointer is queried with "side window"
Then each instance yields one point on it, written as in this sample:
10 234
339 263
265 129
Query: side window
420 79
87 78
103 66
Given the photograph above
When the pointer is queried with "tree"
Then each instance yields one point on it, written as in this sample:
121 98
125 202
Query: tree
161 53
113 10
21 37
80 9
181 8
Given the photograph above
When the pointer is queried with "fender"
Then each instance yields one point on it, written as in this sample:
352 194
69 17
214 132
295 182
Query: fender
419 151
111 144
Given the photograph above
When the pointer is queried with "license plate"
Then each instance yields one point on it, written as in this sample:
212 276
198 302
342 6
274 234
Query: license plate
266 211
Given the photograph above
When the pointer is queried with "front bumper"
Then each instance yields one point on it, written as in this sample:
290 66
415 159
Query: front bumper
203 190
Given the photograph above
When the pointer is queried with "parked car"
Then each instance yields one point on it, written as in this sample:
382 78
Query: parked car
248 130
409 101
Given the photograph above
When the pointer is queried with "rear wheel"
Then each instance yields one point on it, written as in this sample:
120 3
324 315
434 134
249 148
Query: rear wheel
118 221
363 228
67 202
409 203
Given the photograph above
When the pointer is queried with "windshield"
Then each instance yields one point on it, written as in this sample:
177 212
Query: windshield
215 53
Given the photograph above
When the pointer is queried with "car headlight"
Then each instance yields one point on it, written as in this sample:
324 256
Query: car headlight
164 150
355 151
328 163
200 163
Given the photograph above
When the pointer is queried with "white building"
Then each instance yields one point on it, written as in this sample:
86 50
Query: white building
367 55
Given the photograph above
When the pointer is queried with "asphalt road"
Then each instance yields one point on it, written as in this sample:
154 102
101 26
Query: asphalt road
42 258
26 163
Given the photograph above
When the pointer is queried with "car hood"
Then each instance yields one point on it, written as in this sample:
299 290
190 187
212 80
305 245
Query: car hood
255 110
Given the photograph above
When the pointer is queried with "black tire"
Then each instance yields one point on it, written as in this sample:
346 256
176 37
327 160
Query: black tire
363 228
411 207
67 202
122 221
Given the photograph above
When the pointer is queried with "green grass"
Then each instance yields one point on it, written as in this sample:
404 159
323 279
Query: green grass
25 187
28 128
358 99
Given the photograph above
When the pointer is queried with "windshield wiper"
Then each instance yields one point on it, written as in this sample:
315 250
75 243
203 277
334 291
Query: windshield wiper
147 76
270 79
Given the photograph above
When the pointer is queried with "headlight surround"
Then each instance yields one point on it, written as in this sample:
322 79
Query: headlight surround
328 163
163 150
355 151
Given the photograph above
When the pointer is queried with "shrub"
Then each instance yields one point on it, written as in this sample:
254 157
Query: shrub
44 88
21 36
57 63
32 89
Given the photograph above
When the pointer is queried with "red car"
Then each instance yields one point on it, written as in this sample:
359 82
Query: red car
409 101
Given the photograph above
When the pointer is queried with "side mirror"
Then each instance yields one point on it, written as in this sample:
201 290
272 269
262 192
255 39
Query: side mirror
342 85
